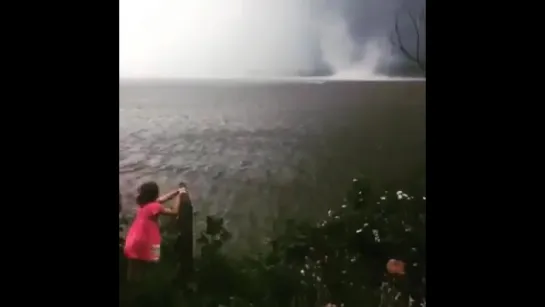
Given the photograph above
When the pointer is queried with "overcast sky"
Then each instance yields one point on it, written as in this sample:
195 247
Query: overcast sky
208 38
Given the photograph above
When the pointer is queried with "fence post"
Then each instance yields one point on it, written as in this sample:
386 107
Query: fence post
184 244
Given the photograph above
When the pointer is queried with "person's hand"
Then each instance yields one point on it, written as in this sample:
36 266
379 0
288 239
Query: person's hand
182 190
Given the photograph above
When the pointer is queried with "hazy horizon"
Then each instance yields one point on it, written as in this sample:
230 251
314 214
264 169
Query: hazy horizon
377 78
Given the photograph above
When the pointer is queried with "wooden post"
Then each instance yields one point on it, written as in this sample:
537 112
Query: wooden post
184 244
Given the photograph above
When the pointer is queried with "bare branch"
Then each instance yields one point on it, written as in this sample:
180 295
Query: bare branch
418 26
399 42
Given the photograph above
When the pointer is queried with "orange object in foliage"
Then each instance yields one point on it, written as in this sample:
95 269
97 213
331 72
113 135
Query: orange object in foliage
395 267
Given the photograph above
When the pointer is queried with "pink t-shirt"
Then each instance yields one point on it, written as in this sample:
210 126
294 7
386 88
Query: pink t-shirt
143 237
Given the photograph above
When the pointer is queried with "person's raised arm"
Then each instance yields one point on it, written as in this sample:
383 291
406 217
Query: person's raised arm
166 197
176 207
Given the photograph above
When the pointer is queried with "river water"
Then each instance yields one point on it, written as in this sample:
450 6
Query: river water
258 153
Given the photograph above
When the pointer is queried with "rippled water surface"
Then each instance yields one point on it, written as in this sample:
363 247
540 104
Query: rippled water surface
256 153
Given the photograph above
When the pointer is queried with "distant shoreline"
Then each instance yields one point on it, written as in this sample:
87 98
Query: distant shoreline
259 80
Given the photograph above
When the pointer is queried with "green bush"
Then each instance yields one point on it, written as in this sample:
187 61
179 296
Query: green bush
340 260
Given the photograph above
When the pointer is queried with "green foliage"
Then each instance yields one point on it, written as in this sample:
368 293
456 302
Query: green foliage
341 259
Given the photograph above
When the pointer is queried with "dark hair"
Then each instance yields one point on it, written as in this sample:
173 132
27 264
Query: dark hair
148 192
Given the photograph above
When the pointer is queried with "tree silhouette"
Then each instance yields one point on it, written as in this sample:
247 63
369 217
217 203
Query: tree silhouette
409 35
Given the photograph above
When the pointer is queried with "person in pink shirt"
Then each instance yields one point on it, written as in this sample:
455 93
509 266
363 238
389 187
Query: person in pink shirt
143 240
